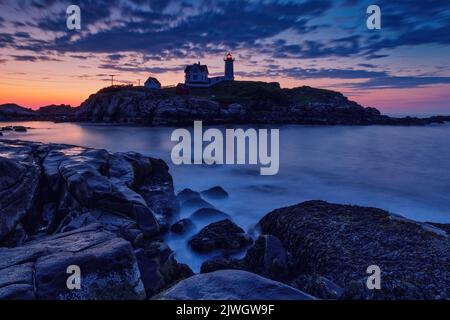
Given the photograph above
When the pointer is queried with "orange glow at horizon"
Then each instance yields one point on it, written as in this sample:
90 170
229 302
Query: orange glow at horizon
36 84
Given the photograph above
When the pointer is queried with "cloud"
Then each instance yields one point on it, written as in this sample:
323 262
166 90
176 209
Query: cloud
30 58
127 67
157 29
299 73
399 82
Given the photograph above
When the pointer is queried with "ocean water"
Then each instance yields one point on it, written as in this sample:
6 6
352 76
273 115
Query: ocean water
405 170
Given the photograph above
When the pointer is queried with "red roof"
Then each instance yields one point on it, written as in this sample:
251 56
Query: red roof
229 57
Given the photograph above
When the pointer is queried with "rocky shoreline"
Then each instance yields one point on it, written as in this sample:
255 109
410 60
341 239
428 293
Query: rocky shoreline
109 214
237 102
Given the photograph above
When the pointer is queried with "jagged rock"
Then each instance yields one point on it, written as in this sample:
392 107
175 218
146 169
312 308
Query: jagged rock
101 208
19 184
78 181
233 102
267 257
159 267
222 235
209 215
215 193
15 238
108 266
339 242
182 226
231 285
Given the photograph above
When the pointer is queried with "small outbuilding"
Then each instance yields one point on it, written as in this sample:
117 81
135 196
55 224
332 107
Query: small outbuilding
152 83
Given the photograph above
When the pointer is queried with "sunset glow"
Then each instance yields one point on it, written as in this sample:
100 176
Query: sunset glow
42 62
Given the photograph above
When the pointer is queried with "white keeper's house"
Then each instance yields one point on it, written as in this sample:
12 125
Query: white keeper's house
197 75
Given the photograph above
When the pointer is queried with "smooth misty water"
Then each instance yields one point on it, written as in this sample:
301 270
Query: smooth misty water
405 170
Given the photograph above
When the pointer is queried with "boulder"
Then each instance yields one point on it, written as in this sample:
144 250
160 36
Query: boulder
209 215
266 257
318 286
215 193
195 204
221 235
159 268
79 182
188 194
182 226
109 269
231 285
104 211
340 242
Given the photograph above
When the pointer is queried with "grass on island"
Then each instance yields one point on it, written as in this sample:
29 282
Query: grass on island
243 92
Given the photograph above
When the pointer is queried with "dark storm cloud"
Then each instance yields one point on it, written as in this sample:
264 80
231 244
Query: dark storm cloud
154 30
92 11
412 23
161 30
309 49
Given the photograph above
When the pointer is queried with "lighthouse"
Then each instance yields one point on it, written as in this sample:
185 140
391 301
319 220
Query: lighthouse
229 67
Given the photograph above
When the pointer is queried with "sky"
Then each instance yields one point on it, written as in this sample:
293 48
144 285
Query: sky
402 68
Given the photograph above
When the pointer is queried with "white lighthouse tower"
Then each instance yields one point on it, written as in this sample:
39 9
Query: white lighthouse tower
229 67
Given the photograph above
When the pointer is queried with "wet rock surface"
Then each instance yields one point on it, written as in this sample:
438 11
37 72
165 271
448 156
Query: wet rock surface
339 243
108 213
182 226
221 235
208 215
231 285
266 257
64 205
215 193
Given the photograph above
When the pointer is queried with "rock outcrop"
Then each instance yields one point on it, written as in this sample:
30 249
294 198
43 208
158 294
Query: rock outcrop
340 242
221 235
103 212
15 112
233 103
266 257
182 226
215 193
231 285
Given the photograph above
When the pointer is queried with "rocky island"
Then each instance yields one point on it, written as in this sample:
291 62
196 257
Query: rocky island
228 102
109 213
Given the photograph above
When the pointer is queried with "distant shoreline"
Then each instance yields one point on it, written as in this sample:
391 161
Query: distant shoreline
226 103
